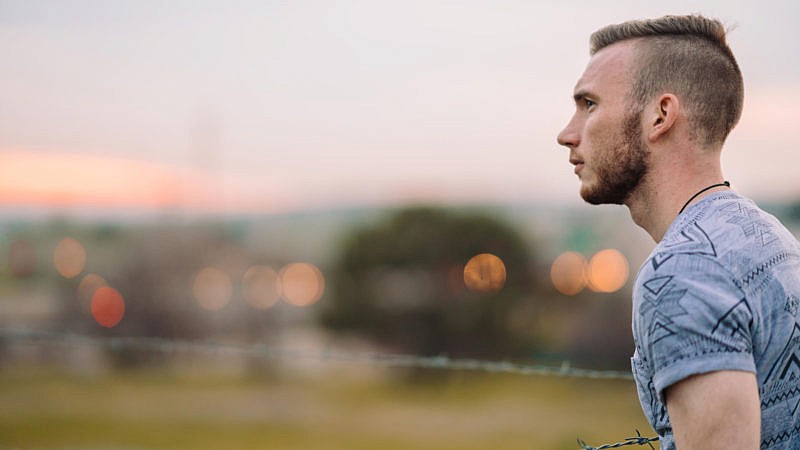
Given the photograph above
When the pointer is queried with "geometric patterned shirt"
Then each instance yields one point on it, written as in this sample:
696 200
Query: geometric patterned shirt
721 291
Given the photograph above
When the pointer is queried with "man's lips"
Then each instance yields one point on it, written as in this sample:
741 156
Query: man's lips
577 163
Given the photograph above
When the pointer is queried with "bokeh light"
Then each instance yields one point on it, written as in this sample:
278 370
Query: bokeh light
108 306
21 259
607 271
568 273
261 287
69 258
302 284
86 289
212 288
485 273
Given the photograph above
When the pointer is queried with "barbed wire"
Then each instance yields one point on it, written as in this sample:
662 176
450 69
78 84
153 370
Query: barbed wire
636 440
161 345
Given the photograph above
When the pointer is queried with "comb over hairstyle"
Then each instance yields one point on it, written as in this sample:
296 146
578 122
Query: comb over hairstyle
687 56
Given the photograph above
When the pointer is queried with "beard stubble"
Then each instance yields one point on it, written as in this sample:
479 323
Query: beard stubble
621 168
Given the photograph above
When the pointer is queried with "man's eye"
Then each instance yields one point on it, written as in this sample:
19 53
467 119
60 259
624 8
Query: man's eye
589 103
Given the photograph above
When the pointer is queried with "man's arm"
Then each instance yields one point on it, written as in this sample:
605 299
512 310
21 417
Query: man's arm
715 410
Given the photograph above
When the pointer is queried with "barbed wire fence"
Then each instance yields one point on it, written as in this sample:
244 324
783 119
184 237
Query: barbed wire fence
267 352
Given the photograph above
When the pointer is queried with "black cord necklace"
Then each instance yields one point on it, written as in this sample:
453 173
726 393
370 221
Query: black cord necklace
724 183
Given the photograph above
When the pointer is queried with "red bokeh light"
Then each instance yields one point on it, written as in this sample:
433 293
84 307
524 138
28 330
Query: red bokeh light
108 307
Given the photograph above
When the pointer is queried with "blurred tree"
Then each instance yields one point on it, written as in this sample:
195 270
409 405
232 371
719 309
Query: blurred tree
401 284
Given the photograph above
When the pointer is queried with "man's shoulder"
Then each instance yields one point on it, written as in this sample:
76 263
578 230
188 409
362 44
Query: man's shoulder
726 241
723 219
728 229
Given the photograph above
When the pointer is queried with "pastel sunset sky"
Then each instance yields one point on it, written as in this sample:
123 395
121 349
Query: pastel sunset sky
290 105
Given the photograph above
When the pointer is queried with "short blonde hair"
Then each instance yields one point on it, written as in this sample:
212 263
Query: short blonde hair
689 57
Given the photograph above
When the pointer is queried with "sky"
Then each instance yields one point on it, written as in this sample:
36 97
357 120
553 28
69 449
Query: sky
270 106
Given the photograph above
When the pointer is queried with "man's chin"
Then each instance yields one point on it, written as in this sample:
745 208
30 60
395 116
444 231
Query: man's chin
593 197
593 200
590 196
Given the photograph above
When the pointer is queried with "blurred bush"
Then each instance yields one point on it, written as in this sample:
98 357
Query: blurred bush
401 284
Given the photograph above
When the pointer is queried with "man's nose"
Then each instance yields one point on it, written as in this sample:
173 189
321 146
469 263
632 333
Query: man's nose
569 137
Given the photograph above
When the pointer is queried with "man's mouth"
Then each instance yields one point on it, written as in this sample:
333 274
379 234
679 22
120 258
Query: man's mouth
577 163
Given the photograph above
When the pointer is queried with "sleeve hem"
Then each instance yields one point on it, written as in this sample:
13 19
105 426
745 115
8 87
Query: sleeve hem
670 375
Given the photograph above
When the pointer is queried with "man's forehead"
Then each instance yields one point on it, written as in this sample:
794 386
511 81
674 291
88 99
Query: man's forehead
609 65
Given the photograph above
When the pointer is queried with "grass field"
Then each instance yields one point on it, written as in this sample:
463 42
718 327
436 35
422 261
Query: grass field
48 408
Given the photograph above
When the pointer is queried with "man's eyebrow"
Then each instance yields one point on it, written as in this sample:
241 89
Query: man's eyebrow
579 95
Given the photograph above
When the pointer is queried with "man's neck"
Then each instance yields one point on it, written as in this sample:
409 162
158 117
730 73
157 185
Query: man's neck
656 203
650 212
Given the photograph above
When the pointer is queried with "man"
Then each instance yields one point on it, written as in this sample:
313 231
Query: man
715 314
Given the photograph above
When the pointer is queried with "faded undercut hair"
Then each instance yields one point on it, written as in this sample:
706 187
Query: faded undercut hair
689 57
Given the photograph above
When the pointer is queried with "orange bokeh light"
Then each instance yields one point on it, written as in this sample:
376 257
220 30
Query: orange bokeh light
212 288
485 273
108 306
69 258
86 289
302 284
568 273
607 271
261 287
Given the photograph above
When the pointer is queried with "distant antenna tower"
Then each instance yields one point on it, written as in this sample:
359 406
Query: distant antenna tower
206 153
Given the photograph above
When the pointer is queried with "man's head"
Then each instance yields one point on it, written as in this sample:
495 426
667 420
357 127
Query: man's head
633 65
689 57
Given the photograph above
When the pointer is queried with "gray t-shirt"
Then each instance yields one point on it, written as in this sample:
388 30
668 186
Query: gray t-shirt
721 291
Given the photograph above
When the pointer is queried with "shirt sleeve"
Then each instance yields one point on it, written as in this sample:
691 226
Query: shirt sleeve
692 319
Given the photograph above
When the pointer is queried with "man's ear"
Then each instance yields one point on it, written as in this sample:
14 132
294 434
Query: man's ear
662 117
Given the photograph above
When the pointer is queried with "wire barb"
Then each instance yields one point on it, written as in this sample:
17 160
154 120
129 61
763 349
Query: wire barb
637 440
